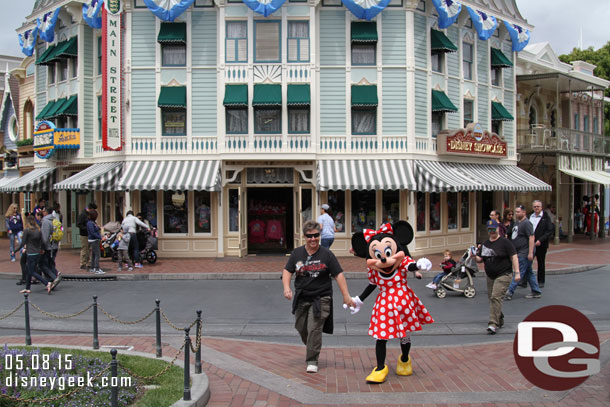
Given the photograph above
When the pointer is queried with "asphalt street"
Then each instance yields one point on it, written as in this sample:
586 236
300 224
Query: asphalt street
257 310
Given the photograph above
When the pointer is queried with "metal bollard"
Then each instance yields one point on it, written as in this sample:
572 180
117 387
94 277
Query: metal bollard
187 365
198 353
114 389
158 318
26 303
96 342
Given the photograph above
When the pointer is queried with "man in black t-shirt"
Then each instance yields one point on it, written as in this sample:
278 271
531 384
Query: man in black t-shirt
500 258
313 266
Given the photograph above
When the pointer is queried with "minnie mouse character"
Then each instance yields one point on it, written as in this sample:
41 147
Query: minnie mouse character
397 311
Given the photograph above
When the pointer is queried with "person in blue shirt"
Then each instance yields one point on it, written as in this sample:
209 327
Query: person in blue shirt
328 227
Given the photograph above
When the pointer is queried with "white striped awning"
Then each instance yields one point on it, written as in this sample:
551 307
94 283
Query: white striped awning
37 180
438 176
365 175
584 168
597 177
98 177
5 181
171 176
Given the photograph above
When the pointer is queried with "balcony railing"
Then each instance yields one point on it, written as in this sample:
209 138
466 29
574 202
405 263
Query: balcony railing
560 139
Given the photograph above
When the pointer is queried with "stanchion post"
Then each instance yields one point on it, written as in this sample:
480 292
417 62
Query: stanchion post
114 389
198 353
158 322
26 304
187 365
96 342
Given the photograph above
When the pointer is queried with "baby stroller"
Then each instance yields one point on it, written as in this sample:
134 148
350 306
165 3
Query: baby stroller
109 244
147 242
460 277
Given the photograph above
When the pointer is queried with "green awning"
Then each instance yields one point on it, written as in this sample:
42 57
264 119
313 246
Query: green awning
236 95
52 112
499 112
267 95
172 96
299 95
65 49
43 113
364 95
441 103
172 33
440 42
499 60
43 58
364 32
69 108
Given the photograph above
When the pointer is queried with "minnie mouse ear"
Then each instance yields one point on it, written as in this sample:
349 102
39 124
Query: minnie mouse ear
359 244
403 232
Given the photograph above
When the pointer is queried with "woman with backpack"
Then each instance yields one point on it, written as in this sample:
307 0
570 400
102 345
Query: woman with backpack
32 241
14 227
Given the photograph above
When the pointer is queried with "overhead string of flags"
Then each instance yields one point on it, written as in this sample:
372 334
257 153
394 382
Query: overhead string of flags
168 10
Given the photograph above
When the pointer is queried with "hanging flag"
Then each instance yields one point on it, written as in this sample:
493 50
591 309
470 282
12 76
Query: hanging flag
92 13
27 40
46 26
483 23
264 7
448 12
519 36
365 9
168 10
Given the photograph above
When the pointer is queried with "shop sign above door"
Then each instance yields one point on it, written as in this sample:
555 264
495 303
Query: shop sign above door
471 141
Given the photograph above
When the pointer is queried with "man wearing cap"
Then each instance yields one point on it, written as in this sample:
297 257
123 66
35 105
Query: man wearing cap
524 240
501 263
328 227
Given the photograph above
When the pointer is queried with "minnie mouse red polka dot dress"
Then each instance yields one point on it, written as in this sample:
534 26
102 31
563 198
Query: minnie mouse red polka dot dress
397 309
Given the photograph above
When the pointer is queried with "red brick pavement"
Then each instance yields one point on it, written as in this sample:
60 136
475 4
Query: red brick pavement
581 252
473 368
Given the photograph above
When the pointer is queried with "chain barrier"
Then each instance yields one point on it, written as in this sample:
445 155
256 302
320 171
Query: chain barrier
162 372
12 312
115 319
198 341
174 326
54 398
48 314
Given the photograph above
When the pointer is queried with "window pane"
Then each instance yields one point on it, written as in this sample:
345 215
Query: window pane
242 50
51 70
465 210
437 123
306 205
421 212
436 58
298 29
174 122
298 120
203 216
364 121
452 210
237 29
233 210
148 206
267 41
495 76
293 49
175 214
237 121
467 60
268 120
435 211
363 210
468 107
304 50
363 54
390 207
63 70
174 55
336 201
74 67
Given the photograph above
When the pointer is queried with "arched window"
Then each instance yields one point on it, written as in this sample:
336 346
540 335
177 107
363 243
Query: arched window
533 116
28 119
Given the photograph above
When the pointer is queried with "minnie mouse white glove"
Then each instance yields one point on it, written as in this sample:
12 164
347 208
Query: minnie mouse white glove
354 310
424 264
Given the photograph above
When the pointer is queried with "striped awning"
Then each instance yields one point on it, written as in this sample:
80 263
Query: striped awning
438 176
5 181
365 175
98 177
171 176
584 168
37 180
597 177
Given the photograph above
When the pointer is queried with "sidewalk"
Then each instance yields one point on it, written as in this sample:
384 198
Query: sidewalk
582 255
243 373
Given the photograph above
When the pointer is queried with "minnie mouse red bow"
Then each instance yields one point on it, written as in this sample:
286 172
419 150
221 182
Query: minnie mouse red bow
369 233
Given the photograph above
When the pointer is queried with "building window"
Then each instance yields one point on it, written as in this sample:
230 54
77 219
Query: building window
63 69
595 125
576 122
363 53
465 210
237 120
332 3
51 71
390 206
298 120
233 210
99 55
467 59
452 210
363 210
468 112
364 120
13 129
237 41
27 201
336 201
496 127
175 212
267 41
74 67
99 118
437 59
61 122
267 120
174 122
585 123
438 123
173 54
421 212
496 76
298 41
204 3
435 211
532 117
203 215
148 206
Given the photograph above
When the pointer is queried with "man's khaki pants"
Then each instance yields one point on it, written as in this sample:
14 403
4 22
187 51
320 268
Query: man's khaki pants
496 289
310 328
84 251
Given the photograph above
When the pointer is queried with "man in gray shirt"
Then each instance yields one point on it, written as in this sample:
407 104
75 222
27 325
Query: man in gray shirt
522 237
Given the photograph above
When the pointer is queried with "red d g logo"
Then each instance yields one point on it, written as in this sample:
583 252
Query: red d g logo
556 348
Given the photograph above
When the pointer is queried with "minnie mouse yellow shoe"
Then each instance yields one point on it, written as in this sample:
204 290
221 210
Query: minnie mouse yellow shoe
378 376
404 368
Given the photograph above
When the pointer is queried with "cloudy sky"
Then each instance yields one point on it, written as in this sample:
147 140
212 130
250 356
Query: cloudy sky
557 21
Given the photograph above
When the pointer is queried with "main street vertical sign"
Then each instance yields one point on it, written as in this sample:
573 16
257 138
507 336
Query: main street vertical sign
112 76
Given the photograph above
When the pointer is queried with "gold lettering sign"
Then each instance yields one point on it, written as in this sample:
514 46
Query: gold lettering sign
471 141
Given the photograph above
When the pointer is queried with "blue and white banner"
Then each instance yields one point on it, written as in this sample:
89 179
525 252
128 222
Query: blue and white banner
519 36
27 41
46 26
483 23
92 13
365 9
448 12
264 7
168 10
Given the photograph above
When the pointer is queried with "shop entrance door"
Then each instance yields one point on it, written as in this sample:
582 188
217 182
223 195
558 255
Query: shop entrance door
270 220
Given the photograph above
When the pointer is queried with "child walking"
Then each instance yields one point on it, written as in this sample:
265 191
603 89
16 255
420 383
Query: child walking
124 238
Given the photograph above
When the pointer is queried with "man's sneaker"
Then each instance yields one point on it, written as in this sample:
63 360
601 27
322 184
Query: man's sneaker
130 269
431 285
91 270
99 271
491 330
138 265
533 295
508 297
312 369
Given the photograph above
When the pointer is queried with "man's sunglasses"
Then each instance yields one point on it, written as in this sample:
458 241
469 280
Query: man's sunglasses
312 235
